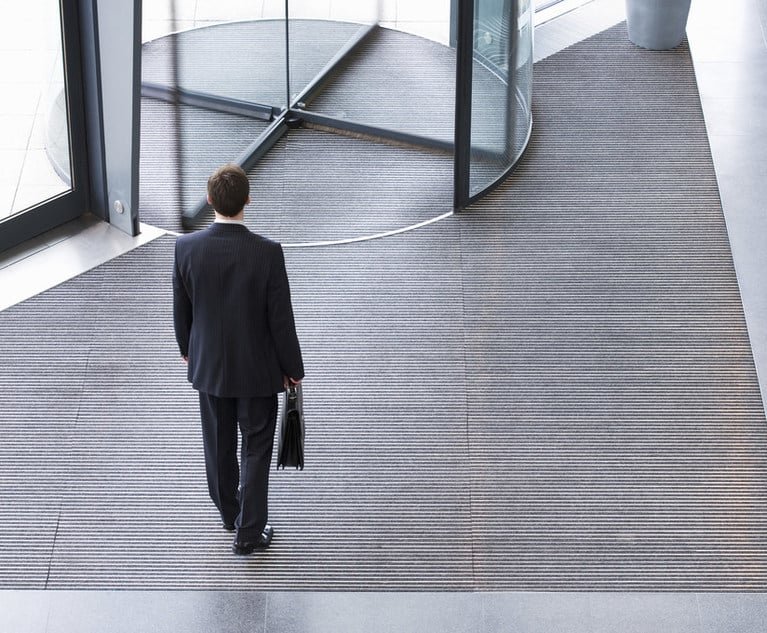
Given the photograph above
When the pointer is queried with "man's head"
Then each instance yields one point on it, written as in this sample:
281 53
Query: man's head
228 190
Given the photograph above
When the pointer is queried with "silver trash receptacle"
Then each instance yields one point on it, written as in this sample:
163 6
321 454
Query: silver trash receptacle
657 24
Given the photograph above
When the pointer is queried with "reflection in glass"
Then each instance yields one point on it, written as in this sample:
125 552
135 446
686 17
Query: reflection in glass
209 57
501 88
34 122
227 48
320 31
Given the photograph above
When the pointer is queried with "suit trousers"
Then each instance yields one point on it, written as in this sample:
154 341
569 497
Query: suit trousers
257 417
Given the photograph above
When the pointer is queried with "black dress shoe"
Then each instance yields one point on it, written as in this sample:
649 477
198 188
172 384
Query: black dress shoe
243 548
229 527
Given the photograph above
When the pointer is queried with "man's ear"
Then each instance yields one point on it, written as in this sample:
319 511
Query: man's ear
210 202
247 200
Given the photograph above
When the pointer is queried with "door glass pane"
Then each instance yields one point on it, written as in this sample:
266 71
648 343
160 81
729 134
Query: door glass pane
227 48
402 77
501 88
540 5
319 32
34 121
227 59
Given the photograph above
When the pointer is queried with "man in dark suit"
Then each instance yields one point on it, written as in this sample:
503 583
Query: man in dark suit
235 329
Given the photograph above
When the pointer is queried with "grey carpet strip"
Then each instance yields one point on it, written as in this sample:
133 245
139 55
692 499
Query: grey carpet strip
554 390
132 482
603 318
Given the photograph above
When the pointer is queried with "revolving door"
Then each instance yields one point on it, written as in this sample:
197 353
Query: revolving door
449 76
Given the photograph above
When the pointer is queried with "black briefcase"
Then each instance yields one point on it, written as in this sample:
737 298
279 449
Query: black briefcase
290 447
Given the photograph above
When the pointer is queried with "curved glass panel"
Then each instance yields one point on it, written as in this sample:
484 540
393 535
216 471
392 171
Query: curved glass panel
501 88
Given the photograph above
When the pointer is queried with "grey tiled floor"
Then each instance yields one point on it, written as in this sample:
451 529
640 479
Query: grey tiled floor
252 612
729 50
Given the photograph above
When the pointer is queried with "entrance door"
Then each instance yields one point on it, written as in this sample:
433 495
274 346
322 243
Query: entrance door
43 164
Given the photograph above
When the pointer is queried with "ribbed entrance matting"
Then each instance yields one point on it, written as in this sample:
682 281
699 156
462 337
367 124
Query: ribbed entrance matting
552 391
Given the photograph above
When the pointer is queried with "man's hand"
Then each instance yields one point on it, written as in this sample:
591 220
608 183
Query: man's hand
287 381
186 359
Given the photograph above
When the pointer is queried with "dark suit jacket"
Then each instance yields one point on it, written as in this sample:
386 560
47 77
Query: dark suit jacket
232 312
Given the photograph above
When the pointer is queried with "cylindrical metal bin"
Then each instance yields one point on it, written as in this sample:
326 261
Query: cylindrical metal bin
657 24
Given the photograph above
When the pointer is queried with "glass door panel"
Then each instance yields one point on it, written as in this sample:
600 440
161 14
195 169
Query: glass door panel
320 31
501 88
214 77
232 49
401 77
42 148
34 123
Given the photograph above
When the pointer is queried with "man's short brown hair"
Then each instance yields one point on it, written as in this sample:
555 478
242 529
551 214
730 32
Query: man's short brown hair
228 189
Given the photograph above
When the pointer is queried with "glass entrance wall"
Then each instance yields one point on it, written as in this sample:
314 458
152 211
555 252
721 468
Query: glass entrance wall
35 160
43 160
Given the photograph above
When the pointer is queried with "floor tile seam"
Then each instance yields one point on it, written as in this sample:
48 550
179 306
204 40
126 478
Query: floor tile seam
266 612
465 342
53 544
698 610
712 132
26 151
71 432
18 184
